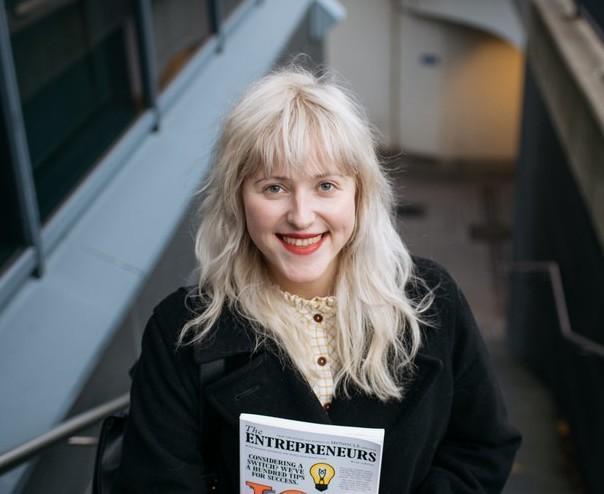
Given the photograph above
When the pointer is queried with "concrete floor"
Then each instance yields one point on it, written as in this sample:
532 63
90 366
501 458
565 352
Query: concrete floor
463 221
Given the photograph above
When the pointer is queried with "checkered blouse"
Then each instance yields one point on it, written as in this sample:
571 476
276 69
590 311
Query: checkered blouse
319 317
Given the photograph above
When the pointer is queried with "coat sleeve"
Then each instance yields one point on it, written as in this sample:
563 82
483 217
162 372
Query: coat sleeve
476 454
161 448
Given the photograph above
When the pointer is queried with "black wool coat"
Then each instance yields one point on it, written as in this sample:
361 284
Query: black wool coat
448 435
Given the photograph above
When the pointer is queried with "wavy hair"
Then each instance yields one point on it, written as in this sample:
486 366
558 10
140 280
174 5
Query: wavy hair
285 120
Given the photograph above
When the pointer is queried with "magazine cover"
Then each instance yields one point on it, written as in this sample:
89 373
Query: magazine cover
283 456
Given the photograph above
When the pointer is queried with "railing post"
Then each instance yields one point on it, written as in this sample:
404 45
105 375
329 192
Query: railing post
216 13
17 145
146 42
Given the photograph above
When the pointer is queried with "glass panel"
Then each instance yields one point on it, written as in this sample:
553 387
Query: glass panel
180 29
77 68
595 9
11 234
229 6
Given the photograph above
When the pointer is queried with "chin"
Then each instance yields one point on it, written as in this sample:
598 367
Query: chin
303 280
302 276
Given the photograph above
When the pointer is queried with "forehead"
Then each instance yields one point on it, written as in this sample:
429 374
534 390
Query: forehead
298 173
312 164
298 150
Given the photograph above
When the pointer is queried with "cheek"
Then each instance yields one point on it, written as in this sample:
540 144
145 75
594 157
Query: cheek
348 217
259 218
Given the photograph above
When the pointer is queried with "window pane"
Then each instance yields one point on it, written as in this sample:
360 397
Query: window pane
595 8
229 6
180 28
76 64
11 235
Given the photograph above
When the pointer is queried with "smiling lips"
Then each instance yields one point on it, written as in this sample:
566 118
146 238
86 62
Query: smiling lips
302 244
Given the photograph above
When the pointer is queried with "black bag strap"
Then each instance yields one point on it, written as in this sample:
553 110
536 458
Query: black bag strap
108 453
208 373
109 450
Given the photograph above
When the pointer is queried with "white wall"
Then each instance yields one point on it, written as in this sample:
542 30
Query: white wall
432 87
465 106
359 49
482 97
418 115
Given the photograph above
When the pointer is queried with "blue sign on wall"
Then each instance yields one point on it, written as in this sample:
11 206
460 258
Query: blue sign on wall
429 59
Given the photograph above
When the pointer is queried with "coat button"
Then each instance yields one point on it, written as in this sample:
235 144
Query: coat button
317 317
321 361
327 406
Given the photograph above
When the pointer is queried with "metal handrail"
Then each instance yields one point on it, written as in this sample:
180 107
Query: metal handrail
577 10
553 270
20 454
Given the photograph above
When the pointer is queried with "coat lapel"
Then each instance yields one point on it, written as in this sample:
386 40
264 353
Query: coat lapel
267 386
230 336
366 411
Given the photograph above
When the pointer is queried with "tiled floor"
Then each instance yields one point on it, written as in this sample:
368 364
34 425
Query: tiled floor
449 217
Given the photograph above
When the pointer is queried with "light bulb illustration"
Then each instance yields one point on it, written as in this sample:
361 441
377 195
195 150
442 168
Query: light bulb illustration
322 473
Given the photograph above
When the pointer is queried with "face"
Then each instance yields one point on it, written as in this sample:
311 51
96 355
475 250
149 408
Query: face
300 224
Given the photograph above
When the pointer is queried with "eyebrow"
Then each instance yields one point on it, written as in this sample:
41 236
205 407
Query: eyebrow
284 179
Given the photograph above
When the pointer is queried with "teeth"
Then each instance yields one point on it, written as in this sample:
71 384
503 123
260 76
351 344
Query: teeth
301 242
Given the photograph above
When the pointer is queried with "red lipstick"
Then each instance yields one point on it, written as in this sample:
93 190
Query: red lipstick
299 235
302 250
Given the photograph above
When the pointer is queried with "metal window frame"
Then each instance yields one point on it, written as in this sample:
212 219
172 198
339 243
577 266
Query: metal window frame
18 147
148 57
212 48
46 237
216 27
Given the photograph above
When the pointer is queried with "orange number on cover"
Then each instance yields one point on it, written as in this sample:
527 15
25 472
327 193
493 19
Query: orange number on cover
261 489
258 488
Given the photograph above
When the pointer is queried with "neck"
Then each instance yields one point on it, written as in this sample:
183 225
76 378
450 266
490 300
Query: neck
307 291
322 287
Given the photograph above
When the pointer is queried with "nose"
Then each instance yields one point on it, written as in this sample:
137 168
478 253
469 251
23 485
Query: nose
301 213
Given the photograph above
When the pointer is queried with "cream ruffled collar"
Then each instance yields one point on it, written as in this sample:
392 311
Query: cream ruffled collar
322 304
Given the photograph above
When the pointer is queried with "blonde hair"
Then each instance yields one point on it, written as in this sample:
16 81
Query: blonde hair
286 119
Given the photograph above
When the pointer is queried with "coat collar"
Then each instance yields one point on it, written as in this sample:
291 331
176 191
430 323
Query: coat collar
267 384
231 335
368 411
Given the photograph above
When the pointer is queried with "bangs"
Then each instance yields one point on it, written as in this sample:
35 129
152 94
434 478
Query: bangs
303 138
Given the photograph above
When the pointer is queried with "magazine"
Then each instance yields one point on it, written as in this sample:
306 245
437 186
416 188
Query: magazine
283 456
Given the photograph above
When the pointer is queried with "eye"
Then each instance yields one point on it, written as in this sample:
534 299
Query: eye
326 186
273 188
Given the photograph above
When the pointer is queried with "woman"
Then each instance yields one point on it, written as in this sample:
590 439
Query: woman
312 301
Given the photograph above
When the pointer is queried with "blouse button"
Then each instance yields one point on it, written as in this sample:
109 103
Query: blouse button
317 317
321 361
